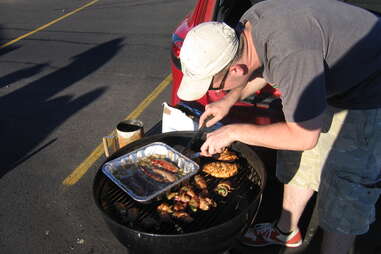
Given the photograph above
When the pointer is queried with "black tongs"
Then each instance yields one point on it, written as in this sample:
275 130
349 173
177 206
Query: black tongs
213 158
197 137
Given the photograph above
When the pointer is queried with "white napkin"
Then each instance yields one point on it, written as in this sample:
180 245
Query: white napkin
176 120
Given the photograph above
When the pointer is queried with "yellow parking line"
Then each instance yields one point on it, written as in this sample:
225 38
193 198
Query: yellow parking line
76 175
48 24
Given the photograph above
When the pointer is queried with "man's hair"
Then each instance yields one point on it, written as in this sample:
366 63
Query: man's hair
236 57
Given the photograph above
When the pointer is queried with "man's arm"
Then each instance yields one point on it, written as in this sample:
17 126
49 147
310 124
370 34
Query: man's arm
252 87
284 135
219 109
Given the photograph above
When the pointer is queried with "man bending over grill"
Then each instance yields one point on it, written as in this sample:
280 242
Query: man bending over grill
325 58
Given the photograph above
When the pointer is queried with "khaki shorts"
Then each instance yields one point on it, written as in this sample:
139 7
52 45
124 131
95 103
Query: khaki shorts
342 167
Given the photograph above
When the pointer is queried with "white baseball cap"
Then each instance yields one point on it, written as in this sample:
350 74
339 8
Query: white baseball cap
206 50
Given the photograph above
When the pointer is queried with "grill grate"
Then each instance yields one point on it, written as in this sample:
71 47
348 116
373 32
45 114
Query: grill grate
144 217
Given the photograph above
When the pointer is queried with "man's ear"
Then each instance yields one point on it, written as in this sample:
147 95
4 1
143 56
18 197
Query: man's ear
239 69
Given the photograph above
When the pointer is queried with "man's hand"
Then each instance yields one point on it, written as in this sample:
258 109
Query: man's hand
218 140
218 110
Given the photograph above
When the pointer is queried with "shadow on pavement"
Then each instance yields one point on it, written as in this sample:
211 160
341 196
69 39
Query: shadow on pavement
21 74
3 41
31 113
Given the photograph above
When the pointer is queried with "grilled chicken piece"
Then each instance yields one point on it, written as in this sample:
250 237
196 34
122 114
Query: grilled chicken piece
171 195
165 208
184 216
187 189
200 182
206 203
179 206
223 188
164 211
194 204
227 155
221 169
182 197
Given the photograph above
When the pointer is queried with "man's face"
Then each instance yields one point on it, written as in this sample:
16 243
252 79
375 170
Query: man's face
233 77
218 81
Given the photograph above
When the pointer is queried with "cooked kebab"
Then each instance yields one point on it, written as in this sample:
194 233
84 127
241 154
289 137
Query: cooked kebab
206 203
179 206
223 188
187 197
202 202
185 194
200 182
165 208
194 204
221 169
171 195
182 197
187 189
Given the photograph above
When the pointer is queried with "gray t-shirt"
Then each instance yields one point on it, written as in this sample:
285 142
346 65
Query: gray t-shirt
318 52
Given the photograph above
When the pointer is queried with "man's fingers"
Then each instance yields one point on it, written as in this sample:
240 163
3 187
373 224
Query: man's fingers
220 150
208 148
208 117
202 119
207 114
212 122
205 150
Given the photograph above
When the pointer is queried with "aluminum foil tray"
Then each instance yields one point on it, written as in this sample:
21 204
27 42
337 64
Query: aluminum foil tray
125 171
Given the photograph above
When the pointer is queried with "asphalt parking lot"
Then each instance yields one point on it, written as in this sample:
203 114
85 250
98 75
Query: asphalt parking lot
70 71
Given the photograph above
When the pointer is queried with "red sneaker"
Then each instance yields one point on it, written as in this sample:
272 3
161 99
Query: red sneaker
264 234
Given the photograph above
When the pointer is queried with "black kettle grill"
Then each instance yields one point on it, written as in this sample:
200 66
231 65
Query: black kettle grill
211 232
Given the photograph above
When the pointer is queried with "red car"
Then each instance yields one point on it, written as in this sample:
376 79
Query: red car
262 108
261 105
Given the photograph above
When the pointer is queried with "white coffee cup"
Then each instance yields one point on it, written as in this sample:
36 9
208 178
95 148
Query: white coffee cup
129 131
